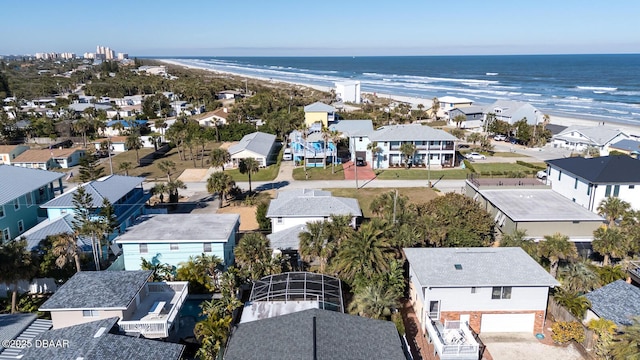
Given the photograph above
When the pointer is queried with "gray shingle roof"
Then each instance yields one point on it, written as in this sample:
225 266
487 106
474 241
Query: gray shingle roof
338 336
111 187
537 205
286 239
596 135
626 144
257 142
618 302
181 227
84 342
16 181
517 110
601 170
11 325
353 127
306 202
319 107
21 327
507 266
410 132
98 290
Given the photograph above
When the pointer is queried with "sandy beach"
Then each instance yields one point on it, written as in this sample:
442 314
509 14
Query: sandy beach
554 119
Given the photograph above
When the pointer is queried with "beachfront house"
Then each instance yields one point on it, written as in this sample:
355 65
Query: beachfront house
528 205
582 138
48 159
258 145
22 191
147 308
588 182
10 152
511 112
448 103
626 146
486 289
173 238
348 91
434 148
319 113
473 117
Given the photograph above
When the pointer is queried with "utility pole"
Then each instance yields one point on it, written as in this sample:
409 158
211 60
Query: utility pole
429 163
395 201
355 160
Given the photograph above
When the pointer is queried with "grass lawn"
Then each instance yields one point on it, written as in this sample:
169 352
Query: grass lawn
151 171
265 174
499 167
421 174
319 173
508 154
366 195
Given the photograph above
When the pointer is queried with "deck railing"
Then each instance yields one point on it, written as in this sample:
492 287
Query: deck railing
468 349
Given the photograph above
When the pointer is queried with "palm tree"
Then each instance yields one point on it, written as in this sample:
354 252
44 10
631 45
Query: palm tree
627 344
167 167
172 188
66 250
253 253
375 152
315 243
609 274
580 277
435 107
212 333
613 209
576 304
374 301
125 166
326 135
609 242
219 157
604 329
133 142
16 263
220 183
249 166
519 238
159 189
459 120
407 149
367 253
555 248
474 137
335 137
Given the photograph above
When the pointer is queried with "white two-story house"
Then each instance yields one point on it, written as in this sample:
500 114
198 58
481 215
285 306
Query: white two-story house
590 181
580 138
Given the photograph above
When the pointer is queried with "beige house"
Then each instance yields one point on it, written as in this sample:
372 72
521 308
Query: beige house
143 307
47 159
10 152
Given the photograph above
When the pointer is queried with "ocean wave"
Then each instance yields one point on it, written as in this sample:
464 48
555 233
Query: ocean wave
491 74
628 93
597 88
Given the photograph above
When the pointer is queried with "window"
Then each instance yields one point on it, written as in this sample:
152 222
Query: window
616 190
90 313
607 191
575 185
632 187
559 174
501 292
473 289
434 310
29 198
206 247
589 189
279 220
20 226
16 204
1 211
143 248
6 235
174 247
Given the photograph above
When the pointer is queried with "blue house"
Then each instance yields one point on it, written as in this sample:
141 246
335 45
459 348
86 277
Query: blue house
114 126
22 191
173 238
124 192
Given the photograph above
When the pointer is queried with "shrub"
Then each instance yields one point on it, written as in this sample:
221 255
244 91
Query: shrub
397 319
529 165
467 164
565 331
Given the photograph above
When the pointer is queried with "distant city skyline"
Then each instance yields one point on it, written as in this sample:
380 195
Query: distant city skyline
328 28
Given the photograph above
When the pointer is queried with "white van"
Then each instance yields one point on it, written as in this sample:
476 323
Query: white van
287 155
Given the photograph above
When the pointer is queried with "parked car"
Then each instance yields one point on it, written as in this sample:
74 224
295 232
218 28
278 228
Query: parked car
287 155
360 162
499 137
542 174
475 156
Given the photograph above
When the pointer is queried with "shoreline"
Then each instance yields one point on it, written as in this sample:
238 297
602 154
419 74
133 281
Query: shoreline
555 119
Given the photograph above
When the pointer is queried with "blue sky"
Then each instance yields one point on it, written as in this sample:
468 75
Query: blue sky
329 27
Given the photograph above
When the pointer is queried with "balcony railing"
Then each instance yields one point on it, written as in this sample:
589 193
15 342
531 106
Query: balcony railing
454 340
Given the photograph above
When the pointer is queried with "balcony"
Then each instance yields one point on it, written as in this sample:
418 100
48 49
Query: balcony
454 340
157 312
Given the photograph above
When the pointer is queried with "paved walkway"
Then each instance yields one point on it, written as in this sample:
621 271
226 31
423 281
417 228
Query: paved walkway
364 172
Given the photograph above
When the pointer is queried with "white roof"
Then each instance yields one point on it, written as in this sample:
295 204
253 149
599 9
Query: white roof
454 100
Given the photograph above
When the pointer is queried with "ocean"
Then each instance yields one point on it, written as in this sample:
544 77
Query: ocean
594 87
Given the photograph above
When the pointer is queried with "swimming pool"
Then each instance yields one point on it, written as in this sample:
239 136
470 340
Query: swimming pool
191 308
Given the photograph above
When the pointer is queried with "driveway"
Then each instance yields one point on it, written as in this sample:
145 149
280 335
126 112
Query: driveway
524 346
364 172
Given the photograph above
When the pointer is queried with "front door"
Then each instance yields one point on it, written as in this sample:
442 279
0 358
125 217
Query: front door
434 310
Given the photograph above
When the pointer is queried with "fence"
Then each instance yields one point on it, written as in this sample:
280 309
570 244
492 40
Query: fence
559 313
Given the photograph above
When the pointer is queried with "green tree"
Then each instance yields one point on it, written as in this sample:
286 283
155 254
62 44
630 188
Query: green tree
173 187
474 137
159 189
65 248
609 274
90 168
375 152
84 222
202 272
575 303
459 120
524 131
161 272
609 242
373 301
627 345
125 166
555 248
315 243
253 253
435 107
16 263
212 333
220 183
407 150
613 209
249 166
133 142
219 157
167 167
604 329
264 223
580 277
519 239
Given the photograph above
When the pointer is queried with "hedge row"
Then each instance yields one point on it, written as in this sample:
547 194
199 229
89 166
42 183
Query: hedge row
530 165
